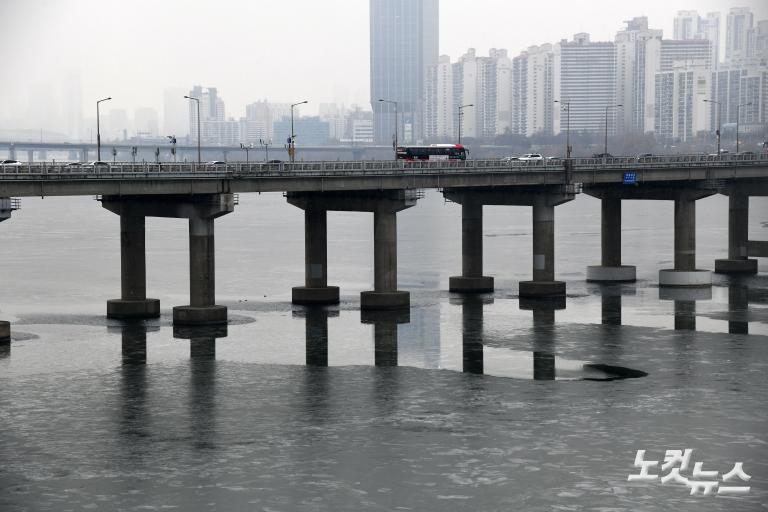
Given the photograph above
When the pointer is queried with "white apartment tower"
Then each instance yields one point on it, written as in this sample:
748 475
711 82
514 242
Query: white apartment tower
533 79
739 28
586 74
681 112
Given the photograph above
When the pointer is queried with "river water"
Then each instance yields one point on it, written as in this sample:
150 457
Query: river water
464 404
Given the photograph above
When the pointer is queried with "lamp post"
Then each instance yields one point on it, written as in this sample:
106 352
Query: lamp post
607 107
394 143
98 132
172 140
567 105
247 148
461 115
738 113
717 133
197 101
266 144
292 140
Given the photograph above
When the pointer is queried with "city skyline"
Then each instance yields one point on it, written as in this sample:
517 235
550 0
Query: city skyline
134 90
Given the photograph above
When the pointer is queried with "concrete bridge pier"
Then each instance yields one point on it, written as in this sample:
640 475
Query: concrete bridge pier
385 294
543 283
685 272
6 208
133 301
611 270
471 279
202 308
738 261
201 210
315 289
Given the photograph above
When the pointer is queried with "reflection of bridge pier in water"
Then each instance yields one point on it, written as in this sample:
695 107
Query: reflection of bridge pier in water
472 330
385 333
738 308
543 334
316 332
685 304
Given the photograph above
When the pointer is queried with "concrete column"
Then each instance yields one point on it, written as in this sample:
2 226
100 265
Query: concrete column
685 272
133 274
471 279
202 309
316 289
738 236
543 283
611 269
385 294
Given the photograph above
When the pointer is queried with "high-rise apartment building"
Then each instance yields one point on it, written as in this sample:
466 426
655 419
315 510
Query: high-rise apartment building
681 112
689 25
633 64
404 44
533 91
586 74
438 101
738 30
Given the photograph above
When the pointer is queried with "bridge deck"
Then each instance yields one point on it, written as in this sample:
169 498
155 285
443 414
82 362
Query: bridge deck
122 178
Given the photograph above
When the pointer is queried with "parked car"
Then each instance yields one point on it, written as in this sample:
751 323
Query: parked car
11 162
531 157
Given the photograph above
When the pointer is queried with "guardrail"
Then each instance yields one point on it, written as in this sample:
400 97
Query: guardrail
126 170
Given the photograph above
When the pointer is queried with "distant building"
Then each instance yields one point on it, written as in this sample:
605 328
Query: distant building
404 44
586 74
743 84
533 89
681 112
738 31
309 131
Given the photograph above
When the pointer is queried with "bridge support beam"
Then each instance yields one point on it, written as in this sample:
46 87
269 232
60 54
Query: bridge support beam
315 289
611 269
202 308
471 279
385 294
384 205
685 272
738 261
201 210
543 283
133 301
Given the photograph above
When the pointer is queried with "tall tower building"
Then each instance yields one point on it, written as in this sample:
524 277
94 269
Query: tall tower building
404 44
686 25
533 91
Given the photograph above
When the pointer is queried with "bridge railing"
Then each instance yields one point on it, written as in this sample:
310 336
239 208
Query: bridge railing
145 170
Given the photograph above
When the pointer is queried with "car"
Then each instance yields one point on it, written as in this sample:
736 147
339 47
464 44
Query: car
510 159
215 162
97 163
74 164
602 155
275 162
531 157
15 163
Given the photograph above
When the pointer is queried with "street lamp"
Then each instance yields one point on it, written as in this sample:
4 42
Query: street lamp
247 148
266 144
607 107
394 143
292 140
718 123
172 140
98 133
567 105
738 112
197 101
461 115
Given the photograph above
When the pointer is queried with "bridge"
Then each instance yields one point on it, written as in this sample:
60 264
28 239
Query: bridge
202 193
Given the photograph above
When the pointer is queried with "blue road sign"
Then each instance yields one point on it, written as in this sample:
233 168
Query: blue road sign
630 178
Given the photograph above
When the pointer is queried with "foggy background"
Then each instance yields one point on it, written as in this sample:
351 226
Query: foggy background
274 50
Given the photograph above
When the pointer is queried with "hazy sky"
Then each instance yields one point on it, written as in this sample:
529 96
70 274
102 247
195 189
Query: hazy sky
280 50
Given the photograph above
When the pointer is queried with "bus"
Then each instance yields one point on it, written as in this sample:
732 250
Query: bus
432 152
